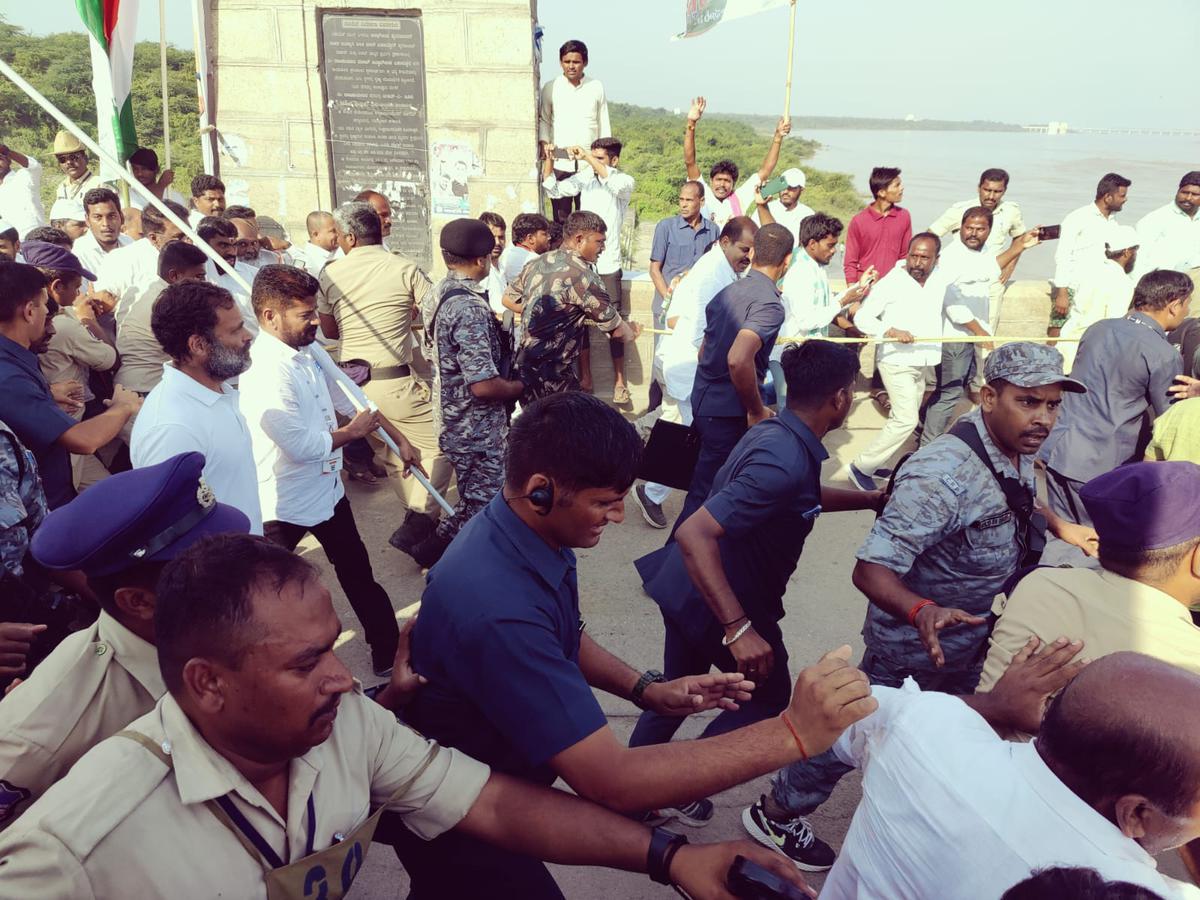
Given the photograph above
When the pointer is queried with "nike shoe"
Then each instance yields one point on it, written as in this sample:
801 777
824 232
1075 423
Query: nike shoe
794 838
697 814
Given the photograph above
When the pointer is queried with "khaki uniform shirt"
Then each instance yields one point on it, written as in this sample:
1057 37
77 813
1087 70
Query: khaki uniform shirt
142 356
373 295
91 686
121 824
1106 611
73 353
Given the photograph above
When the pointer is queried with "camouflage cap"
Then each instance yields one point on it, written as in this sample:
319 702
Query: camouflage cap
1027 364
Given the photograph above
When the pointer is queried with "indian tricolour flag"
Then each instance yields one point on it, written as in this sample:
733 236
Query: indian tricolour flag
111 24
703 15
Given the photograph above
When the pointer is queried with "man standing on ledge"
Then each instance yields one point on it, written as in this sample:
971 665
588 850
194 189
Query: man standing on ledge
723 198
879 234
573 113
743 321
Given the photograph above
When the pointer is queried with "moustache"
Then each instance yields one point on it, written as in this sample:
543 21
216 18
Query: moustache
326 709
1040 433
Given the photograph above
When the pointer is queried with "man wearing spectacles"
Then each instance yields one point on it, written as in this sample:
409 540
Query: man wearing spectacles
73 161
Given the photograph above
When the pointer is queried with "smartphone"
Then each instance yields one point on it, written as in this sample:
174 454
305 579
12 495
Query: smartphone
561 153
774 187
751 881
1049 232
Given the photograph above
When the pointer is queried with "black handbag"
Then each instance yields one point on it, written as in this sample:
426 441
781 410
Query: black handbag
670 455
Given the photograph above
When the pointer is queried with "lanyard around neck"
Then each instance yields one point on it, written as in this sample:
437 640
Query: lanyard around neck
268 853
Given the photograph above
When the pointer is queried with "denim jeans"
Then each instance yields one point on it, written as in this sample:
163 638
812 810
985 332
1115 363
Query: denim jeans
776 369
953 377
682 657
803 786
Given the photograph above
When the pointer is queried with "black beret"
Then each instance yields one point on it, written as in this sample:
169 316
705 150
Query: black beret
468 238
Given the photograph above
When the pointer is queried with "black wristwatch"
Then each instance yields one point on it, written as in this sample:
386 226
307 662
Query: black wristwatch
663 847
649 677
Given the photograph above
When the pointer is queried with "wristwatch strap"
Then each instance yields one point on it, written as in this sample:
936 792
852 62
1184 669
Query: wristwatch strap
649 677
663 847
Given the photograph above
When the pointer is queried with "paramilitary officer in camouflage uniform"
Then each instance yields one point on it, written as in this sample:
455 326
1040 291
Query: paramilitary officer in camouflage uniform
22 509
472 389
120 532
946 543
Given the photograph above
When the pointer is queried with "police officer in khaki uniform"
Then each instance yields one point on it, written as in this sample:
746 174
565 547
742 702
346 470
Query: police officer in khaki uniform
264 769
120 532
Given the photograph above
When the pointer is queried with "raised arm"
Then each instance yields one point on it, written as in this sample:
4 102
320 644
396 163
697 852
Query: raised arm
772 158
689 139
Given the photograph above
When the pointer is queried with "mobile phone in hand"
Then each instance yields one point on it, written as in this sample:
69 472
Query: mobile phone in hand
774 187
1049 232
562 153
751 881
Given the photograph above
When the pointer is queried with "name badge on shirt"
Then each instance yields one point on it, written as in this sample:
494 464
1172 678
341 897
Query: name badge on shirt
332 466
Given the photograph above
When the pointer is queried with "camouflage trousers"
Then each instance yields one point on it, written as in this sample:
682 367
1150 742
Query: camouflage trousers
480 474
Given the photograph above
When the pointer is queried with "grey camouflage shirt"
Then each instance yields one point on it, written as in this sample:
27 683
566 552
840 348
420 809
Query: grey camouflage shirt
466 350
950 536
22 501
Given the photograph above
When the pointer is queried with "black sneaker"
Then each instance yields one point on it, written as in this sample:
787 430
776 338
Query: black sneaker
794 839
861 480
652 512
697 814
383 660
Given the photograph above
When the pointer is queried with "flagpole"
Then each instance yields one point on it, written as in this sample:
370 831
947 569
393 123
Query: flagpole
162 62
787 94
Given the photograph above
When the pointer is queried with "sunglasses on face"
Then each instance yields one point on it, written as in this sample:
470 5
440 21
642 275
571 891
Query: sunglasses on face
77 156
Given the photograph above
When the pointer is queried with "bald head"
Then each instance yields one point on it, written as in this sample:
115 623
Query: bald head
1123 737
320 229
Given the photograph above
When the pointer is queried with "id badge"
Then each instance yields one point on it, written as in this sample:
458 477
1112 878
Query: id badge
332 466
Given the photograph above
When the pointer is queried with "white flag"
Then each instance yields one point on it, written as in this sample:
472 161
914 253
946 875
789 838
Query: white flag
703 15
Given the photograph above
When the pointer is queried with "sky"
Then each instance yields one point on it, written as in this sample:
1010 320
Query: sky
1022 61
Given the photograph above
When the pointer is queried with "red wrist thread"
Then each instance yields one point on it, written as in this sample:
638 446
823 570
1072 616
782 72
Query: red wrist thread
917 607
795 735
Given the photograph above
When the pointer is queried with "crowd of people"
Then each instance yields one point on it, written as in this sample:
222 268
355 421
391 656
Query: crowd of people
177 723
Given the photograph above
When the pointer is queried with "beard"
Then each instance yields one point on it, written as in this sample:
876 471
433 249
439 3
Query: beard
224 362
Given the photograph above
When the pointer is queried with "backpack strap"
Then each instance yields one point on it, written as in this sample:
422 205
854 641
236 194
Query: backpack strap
1017 497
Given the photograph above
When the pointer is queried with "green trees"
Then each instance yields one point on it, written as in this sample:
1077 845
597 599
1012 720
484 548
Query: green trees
59 65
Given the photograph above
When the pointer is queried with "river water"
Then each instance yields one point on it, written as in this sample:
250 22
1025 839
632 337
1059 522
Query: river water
1050 174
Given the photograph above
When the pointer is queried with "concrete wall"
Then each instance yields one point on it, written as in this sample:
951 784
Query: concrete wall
481 85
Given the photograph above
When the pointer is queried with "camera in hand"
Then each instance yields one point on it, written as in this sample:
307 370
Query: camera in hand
751 881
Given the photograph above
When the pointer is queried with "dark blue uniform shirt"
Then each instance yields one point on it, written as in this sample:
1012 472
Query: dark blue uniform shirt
767 497
28 407
498 639
749 304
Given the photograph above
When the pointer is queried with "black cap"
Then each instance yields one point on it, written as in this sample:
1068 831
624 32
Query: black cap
468 238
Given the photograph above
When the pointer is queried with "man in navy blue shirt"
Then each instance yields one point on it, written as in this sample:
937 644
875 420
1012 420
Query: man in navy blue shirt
720 585
511 668
742 322
26 404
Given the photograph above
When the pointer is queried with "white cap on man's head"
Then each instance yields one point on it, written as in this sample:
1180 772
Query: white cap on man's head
794 178
1122 237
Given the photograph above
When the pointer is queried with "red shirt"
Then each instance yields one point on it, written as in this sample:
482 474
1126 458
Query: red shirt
876 239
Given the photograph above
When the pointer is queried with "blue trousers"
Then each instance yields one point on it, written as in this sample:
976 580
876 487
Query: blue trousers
803 786
718 436
683 656
953 377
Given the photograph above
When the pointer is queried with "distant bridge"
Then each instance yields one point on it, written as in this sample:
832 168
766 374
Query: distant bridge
1064 128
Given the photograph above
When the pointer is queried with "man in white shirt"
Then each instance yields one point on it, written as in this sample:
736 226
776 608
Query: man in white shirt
967 271
721 201
530 238
322 242
785 207
255 249
677 354
905 304
1006 223
208 198
1082 237
143 163
290 405
1105 290
127 270
495 283
73 161
573 113
1170 235
20 191
102 213
223 236
192 408
951 810
604 190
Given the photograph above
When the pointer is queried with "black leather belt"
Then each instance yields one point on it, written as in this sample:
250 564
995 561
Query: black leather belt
382 372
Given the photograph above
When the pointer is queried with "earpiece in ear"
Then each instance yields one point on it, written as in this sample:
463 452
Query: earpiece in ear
542 499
